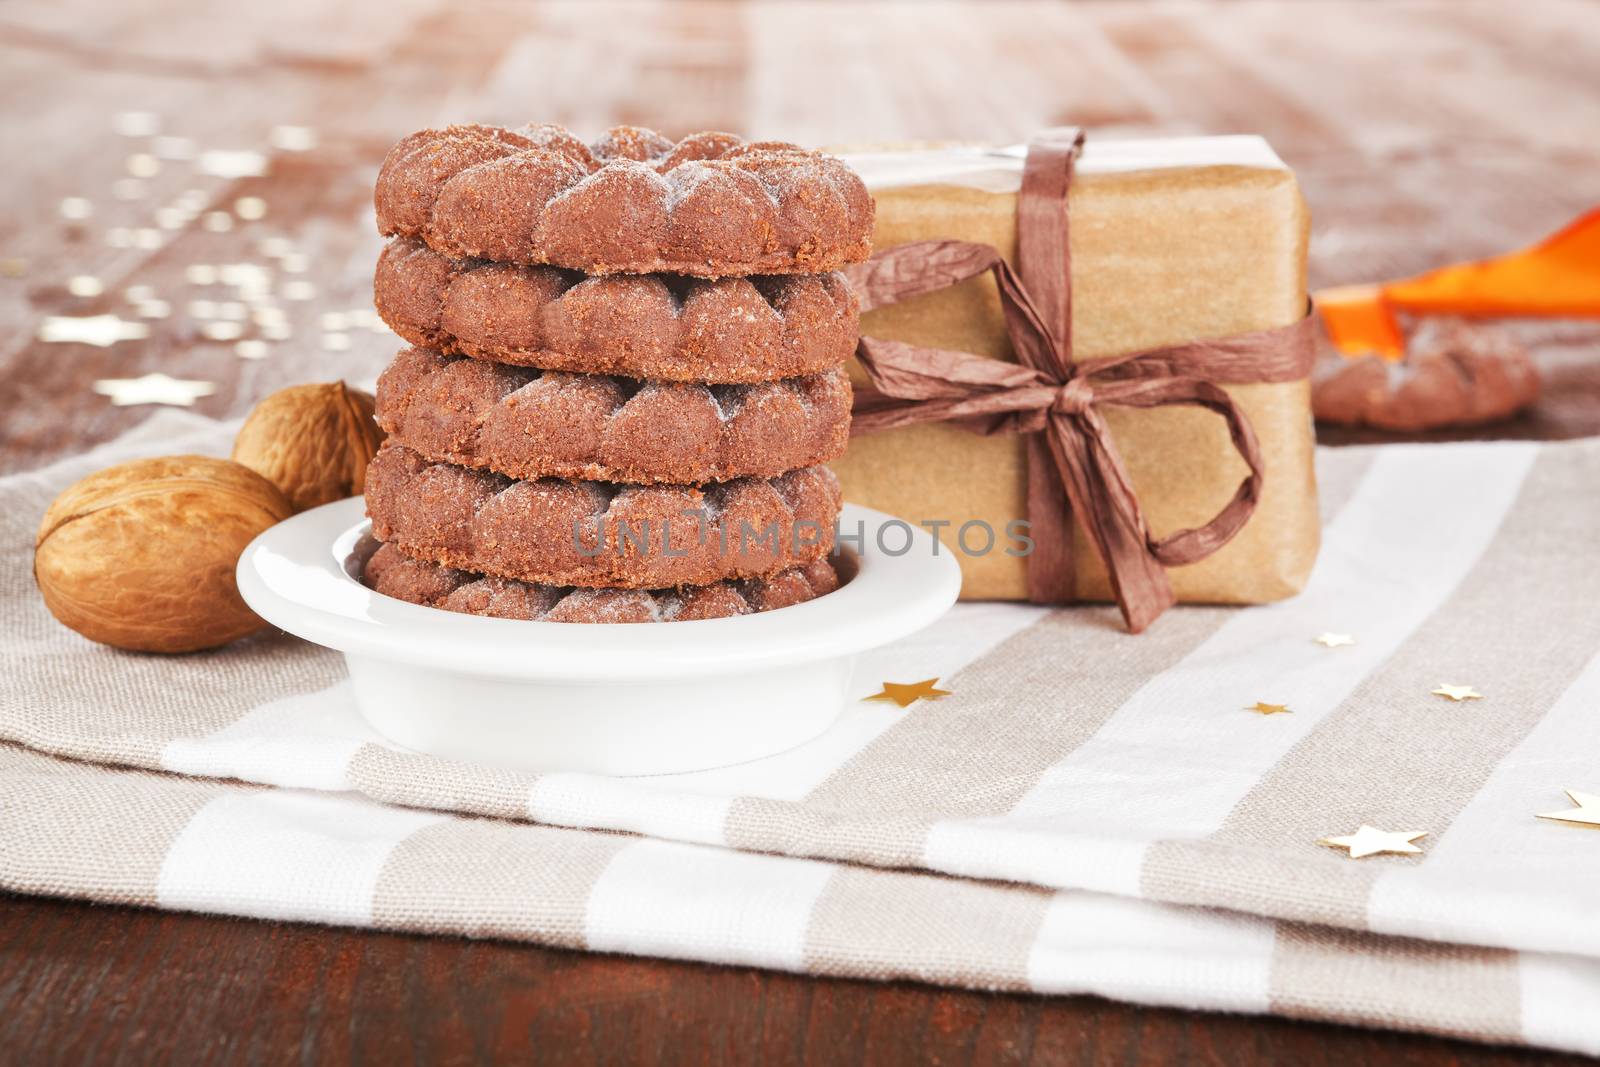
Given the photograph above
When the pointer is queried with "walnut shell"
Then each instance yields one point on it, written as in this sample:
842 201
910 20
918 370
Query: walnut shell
142 555
312 441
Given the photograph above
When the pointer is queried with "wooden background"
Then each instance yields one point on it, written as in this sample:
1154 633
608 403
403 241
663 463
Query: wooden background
1422 132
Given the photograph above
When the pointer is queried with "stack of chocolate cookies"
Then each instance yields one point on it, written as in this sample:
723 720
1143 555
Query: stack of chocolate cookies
627 373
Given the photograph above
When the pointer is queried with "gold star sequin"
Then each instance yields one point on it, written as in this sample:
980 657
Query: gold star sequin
1370 841
1332 640
1457 693
221 163
136 123
1269 709
154 389
102 331
293 138
1587 813
907 695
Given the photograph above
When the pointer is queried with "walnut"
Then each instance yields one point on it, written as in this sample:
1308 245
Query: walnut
142 555
312 441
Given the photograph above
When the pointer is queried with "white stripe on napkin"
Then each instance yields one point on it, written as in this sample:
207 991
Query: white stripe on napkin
303 741
661 898
968 633
276 854
635 805
1552 988
694 807
1110 804
1435 900
1152 953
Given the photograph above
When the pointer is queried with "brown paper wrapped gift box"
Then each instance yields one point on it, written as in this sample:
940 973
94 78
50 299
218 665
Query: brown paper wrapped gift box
1171 241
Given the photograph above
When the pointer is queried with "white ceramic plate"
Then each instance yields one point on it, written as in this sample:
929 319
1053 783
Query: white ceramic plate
622 699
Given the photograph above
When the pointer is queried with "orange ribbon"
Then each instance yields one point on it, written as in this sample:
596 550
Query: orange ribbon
1073 468
1557 278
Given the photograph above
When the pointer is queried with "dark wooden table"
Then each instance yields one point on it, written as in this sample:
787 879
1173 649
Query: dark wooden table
1422 133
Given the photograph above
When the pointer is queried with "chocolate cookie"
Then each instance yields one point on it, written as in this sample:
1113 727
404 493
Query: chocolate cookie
645 326
633 202
557 532
1455 372
539 424
393 573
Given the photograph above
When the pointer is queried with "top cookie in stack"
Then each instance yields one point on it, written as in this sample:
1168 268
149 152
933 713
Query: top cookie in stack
628 372
710 205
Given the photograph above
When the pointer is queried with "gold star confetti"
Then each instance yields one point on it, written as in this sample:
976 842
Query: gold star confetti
136 123
225 164
1269 709
1370 841
293 138
13 268
180 148
101 331
1587 813
1457 693
153 389
366 317
222 331
907 695
1332 640
251 279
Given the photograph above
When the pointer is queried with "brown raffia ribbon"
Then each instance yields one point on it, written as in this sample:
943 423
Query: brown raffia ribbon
1073 467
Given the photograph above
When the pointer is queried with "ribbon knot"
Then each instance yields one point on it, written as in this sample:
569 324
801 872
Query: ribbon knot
1074 396
1073 466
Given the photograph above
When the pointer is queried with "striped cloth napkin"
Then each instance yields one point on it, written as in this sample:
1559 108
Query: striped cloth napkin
1086 812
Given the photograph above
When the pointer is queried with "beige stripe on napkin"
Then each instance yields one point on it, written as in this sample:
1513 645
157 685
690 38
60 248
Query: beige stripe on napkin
1394 755
69 829
492 879
412 778
1012 714
975 752
68 696
890 924
1357 978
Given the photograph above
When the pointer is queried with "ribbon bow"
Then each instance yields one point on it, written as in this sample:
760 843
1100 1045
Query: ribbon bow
1073 465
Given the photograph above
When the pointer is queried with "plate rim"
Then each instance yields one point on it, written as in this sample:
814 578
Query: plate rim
293 576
